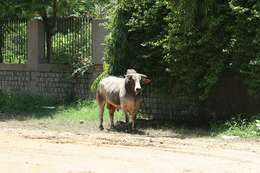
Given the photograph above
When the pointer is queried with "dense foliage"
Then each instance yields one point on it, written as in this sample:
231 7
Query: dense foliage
136 27
46 8
223 40
193 43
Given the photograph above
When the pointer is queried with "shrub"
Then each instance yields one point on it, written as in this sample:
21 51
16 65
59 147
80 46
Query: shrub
193 44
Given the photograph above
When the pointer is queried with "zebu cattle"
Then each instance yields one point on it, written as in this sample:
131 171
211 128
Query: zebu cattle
120 93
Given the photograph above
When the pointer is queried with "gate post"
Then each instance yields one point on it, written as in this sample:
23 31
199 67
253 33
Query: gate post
35 30
98 37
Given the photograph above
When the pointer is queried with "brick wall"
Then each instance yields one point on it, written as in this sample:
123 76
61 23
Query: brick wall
54 84
15 81
59 85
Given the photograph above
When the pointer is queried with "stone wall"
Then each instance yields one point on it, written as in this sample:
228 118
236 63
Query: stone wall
15 81
59 85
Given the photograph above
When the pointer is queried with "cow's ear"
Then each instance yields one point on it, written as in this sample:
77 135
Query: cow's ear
146 81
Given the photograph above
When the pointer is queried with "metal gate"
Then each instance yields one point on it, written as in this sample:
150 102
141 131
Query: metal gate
67 38
13 40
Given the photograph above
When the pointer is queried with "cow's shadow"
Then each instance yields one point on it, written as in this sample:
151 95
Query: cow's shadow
155 128
124 127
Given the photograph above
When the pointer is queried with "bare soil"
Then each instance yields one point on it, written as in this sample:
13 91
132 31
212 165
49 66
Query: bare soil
42 147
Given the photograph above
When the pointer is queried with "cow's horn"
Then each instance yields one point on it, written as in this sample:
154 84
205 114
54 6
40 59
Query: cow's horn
143 75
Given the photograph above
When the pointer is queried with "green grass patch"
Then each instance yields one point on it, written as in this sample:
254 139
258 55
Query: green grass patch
86 110
80 110
22 104
20 107
15 104
24 107
237 127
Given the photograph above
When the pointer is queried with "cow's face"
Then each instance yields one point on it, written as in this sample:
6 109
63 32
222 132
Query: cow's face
133 82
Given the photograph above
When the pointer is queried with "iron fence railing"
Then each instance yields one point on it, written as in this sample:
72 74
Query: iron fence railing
13 40
67 38
159 101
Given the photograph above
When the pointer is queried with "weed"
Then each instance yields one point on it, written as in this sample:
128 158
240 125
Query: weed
236 127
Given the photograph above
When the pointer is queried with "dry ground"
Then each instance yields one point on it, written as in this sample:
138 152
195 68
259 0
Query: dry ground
33 147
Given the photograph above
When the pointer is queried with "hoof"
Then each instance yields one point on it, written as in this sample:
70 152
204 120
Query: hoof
134 131
129 129
112 128
101 127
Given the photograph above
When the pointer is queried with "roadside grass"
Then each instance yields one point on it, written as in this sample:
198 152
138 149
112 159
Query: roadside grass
80 110
24 107
15 107
237 127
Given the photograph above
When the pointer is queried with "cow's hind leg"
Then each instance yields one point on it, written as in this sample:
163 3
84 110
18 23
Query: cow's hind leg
133 118
126 117
101 103
111 109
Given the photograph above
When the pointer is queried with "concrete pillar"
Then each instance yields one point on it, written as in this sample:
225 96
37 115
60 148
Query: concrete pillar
35 30
98 36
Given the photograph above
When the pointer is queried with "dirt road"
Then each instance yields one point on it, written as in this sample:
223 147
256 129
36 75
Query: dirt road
39 149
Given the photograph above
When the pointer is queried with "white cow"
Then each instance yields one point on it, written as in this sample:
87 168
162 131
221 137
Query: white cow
120 93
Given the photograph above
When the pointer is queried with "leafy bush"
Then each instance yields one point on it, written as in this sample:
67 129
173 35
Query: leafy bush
236 127
220 40
104 74
193 44
258 122
135 27
11 103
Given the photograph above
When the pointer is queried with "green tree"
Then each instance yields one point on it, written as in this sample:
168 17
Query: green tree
192 43
225 38
135 28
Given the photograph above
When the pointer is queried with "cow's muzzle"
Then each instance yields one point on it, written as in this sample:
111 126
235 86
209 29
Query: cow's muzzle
138 91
